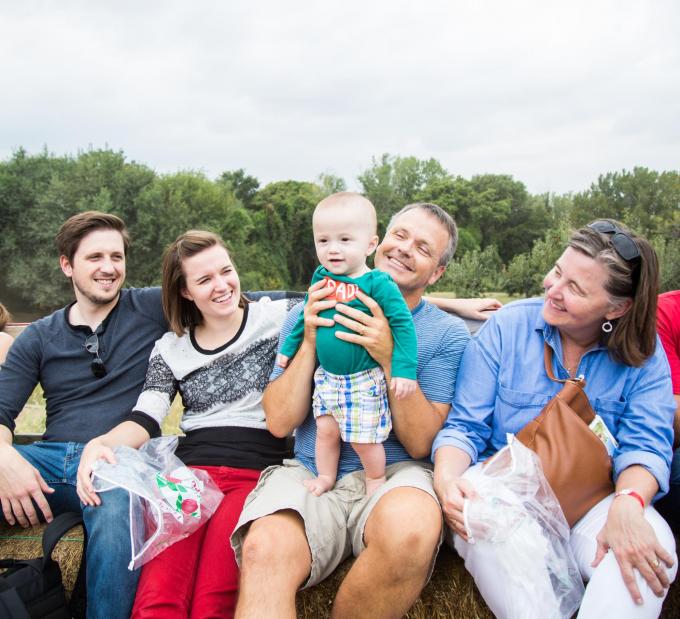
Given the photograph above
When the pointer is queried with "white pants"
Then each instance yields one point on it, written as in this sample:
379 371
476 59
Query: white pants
606 594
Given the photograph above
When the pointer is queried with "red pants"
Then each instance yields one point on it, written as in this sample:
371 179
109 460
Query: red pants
198 577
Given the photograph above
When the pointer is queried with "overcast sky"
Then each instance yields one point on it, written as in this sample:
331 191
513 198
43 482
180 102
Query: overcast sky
552 92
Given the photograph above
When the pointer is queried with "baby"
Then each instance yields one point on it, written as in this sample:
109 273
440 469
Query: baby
350 396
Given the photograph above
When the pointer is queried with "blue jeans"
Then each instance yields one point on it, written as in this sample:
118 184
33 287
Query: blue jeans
111 586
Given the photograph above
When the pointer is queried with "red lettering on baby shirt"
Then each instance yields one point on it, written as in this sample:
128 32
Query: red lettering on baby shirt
342 292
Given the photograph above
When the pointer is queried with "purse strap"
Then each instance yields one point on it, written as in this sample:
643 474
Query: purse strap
56 529
547 361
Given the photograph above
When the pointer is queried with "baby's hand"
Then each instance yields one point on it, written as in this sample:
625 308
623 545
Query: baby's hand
403 387
282 360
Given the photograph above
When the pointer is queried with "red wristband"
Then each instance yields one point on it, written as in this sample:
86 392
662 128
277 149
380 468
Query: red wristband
631 492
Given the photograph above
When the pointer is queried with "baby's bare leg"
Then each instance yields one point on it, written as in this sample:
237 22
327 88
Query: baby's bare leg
372 456
327 455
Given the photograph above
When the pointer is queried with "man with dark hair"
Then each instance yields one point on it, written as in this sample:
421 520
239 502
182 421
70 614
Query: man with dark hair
90 359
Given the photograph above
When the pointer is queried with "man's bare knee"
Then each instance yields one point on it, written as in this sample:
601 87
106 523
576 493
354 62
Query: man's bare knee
274 541
405 526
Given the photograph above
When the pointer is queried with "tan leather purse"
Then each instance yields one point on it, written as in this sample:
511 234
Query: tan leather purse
575 461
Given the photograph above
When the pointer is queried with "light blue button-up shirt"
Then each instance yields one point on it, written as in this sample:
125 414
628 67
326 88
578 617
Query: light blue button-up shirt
502 385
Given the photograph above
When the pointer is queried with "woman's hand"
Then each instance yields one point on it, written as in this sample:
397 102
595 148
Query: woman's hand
372 332
634 544
472 309
94 450
449 465
452 493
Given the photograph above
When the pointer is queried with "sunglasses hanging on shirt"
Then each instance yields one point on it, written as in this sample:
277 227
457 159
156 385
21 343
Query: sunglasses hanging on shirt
92 346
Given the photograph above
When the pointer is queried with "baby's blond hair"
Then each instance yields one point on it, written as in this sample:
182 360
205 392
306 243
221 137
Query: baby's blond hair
351 200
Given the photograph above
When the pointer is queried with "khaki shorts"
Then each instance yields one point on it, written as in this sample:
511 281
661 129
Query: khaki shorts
334 522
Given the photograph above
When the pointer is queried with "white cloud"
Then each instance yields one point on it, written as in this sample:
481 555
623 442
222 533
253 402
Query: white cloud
554 93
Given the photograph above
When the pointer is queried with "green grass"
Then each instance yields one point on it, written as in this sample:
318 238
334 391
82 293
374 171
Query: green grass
32 419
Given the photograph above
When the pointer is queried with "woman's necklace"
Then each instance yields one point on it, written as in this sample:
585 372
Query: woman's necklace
571 362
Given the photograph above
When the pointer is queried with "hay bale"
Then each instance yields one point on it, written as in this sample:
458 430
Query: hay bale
450 594
18 543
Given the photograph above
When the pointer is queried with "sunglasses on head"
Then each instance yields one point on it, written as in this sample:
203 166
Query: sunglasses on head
624 245
97 365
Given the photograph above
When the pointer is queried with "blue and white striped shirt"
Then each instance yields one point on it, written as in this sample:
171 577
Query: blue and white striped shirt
441 342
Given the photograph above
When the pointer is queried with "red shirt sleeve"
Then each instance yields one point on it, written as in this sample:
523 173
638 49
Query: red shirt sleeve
668 326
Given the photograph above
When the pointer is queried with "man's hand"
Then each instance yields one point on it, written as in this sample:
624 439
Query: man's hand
403 387
372 332
94 450
316 303
20 485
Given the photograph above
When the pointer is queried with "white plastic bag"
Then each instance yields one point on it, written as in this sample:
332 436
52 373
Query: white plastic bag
518 514
168 501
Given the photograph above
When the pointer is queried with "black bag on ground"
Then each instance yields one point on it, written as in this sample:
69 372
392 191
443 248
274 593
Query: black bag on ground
32 588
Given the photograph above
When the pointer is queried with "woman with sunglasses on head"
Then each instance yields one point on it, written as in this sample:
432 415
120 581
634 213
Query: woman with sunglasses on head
218 356
598 319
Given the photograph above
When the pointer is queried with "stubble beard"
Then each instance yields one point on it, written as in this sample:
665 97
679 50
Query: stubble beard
96 299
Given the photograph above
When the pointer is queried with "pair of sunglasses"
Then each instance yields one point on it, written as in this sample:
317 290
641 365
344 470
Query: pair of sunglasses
624 245
92 346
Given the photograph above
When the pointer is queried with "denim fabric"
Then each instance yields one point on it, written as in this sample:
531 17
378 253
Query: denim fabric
58 465
110 585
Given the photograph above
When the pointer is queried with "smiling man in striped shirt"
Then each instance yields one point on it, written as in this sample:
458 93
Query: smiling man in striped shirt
286 537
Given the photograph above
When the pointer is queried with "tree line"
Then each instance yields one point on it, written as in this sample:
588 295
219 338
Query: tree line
509 238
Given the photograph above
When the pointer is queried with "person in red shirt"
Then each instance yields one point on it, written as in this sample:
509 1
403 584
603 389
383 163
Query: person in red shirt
668 327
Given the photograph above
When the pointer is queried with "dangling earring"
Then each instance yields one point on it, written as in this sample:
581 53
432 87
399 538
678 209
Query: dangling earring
607 327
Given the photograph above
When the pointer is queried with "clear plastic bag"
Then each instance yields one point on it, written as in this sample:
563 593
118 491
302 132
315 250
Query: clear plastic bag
168 501
516 511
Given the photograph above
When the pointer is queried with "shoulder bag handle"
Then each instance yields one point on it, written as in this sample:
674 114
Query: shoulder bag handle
547 360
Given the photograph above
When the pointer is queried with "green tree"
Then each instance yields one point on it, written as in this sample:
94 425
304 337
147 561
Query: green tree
283 231
473 273
393 182
525 272
38 193
242 185
174 204
645 200
490 209
501 210
668 252
520 277
330 184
